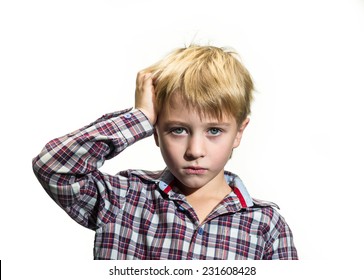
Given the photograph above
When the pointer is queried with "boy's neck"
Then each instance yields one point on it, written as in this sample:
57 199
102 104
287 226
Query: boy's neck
215 189
205 199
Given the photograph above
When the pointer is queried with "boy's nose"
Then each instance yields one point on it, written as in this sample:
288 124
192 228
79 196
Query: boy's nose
195 148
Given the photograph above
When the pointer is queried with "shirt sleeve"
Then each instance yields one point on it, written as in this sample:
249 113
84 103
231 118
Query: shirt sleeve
68 167
281 245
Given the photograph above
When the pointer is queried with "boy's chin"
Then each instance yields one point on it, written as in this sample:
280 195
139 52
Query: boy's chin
193 182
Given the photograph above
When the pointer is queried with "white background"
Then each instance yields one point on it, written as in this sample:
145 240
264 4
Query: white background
65 63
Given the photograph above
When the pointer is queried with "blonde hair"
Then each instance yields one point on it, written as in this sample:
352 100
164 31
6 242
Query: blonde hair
209 79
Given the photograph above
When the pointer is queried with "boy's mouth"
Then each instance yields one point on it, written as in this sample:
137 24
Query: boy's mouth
195 170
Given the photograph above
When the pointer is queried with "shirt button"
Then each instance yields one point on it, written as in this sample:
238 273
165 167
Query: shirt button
181 208
127 116
200 231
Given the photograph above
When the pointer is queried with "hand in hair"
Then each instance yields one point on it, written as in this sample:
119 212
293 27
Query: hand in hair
145 96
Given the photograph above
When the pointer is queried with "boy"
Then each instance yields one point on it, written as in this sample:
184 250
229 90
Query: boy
196 102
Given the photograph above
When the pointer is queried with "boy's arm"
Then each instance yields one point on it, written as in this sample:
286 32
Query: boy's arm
67 167
281 246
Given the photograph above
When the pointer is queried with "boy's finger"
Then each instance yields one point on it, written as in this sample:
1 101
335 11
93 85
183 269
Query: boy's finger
147 76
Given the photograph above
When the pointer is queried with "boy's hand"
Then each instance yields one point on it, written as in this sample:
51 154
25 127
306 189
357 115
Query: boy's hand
145 96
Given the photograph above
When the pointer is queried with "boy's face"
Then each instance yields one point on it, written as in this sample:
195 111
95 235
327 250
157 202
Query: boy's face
196 148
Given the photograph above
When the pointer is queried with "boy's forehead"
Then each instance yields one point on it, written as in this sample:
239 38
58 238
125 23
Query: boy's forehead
181 112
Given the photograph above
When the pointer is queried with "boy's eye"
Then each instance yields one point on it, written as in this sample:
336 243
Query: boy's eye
214 131
178 131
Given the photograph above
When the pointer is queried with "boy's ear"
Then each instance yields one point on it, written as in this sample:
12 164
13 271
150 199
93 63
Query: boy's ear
239 134
156 139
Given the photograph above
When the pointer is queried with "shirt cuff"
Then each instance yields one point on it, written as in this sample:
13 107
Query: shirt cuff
133 124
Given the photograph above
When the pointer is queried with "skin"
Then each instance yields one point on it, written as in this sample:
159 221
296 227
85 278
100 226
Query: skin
195 148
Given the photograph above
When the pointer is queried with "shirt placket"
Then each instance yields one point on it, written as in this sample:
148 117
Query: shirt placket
196 248
196 240
198 245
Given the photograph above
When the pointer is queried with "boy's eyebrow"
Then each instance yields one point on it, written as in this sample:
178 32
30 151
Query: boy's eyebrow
219 124
171 123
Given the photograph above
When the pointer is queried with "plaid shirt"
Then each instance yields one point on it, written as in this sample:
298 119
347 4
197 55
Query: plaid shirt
141 215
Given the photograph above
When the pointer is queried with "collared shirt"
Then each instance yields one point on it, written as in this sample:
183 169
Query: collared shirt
140 214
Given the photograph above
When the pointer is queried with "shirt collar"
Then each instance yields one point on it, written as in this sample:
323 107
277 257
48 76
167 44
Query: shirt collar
239 189
164 179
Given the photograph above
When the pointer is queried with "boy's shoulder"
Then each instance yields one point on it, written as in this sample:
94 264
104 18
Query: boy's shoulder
269 212
264 203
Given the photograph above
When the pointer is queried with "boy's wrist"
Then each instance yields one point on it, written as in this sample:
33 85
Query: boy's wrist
150 117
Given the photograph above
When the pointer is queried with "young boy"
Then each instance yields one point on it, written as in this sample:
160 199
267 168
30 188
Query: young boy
196 102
